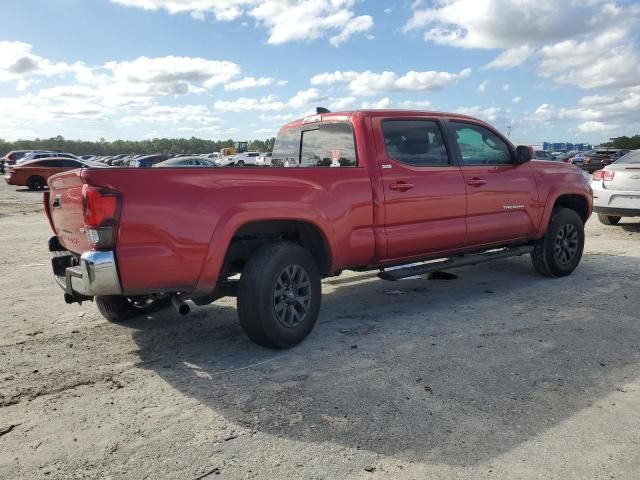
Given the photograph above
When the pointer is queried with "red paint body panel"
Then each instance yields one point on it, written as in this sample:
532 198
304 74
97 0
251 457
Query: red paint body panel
176 224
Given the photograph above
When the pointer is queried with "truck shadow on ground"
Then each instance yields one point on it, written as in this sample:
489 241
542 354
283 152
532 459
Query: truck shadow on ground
453 372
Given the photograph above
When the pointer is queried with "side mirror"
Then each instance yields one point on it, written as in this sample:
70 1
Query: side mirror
524 153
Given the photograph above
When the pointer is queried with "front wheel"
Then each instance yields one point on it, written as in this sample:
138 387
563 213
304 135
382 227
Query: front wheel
36 183
279 295
558 253
608 219
119 309
240 163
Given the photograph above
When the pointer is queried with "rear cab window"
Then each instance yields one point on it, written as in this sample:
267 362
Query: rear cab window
320 145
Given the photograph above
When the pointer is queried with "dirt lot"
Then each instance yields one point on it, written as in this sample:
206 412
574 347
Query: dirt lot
499 373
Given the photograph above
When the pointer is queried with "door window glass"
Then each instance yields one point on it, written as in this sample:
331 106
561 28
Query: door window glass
415 142
480 146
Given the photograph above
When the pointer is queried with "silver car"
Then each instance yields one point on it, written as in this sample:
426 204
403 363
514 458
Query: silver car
616 189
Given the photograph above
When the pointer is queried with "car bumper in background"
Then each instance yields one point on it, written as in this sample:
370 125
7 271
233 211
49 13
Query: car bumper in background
619 203
93 273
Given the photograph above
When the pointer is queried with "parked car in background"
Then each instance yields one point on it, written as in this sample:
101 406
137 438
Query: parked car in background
35 173
577 159
616 189
147 161
211 156
239 160
38 155
264 159
596 160
543 155
192 161
13 156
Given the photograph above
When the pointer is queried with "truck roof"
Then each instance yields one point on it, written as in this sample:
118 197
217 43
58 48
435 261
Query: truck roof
346 114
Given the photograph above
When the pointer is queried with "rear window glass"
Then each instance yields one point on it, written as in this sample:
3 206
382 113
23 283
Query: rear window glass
330 145
631 157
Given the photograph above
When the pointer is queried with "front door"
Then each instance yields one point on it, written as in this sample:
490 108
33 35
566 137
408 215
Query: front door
501 194
424 189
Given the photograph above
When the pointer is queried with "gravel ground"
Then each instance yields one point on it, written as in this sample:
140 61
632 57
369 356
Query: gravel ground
499 373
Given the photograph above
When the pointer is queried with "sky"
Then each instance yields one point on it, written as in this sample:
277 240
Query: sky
545 70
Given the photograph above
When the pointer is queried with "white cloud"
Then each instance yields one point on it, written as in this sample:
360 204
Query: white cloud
506 24
269 103
605 60
511 58
286 20
386 102
506 87
342 103
17 62
599 127
185 114
482 88
251 82
516 99
490 114
370 83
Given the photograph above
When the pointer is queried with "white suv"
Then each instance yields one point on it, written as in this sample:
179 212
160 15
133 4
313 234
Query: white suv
239 160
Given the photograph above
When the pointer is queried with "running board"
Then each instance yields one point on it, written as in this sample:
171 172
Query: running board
461 261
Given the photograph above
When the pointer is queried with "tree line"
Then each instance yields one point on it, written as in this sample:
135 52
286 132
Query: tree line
116 147
630 143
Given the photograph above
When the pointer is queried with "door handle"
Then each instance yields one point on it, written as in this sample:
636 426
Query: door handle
476 182
401 186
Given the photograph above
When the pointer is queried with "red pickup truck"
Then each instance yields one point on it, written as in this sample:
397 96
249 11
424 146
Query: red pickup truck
359 190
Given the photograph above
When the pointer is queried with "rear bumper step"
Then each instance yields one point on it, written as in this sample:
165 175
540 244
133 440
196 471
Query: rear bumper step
461 261
94 273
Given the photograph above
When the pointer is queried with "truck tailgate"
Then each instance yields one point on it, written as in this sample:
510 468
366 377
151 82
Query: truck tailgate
66 209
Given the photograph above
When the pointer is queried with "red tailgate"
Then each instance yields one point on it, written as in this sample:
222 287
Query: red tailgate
65 205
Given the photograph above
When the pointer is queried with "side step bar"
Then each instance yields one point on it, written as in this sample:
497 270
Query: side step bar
459 261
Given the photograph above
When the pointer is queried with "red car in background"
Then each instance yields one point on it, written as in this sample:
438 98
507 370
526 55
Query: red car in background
34 174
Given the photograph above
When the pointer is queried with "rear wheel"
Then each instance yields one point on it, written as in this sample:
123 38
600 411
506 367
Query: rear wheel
608 219
558 253
36 183
279 295
240 163
119 309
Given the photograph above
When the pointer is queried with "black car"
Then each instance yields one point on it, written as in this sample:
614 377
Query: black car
148 161
597 160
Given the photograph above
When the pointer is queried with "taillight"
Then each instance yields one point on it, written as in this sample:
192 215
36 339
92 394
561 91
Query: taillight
603 175
101 215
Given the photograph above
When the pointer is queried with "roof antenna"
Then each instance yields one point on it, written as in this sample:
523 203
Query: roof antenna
322 110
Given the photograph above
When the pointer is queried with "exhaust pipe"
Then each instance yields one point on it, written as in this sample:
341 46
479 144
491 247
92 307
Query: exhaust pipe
180 305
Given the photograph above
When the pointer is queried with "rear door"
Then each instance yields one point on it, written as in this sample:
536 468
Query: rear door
424 189
501 195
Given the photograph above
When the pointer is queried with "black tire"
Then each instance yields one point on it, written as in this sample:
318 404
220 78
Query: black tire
558 253
279 317
36 182
608 219
119 309
240 163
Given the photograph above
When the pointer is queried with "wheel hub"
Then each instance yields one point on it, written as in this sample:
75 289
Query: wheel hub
292 296
566 244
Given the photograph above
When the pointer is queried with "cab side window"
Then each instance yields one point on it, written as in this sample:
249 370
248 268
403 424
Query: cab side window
480 146
415 142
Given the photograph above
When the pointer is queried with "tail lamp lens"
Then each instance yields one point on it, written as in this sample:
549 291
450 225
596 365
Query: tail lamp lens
101 215
607 176
597 175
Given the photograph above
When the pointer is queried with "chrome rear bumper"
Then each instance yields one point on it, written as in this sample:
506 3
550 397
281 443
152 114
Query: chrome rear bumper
93 273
